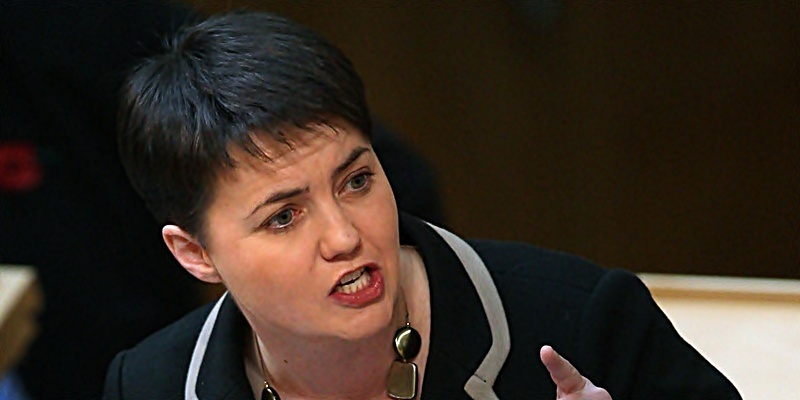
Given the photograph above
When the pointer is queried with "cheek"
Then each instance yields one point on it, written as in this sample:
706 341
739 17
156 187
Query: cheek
263 271
381 203
378 218
274 287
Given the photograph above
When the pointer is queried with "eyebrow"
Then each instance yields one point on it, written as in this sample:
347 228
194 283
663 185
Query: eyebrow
354 155
288 194
279 196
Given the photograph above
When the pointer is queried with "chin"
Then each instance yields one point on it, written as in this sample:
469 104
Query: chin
368 322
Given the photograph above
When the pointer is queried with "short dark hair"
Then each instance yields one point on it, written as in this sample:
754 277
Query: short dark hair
216 83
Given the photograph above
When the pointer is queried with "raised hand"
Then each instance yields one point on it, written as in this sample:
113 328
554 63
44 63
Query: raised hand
570 384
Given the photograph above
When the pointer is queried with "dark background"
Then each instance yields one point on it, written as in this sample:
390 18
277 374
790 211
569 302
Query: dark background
651 136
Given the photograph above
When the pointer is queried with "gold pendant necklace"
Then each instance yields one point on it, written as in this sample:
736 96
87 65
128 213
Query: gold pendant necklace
402 380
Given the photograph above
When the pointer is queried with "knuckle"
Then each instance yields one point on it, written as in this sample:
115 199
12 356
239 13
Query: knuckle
601 394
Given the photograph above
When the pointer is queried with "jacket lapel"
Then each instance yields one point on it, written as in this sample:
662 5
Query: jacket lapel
460 333
222 374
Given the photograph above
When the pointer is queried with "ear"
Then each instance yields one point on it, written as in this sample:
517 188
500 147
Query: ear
190 254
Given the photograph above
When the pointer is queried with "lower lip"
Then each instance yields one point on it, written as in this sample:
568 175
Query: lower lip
364 296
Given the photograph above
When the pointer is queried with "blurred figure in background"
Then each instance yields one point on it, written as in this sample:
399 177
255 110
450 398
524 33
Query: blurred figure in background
66 207
11 388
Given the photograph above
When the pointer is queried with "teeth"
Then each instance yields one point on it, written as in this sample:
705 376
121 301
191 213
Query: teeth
361 282
351 276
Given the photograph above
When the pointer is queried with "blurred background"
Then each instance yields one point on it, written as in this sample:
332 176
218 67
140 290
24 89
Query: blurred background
652 136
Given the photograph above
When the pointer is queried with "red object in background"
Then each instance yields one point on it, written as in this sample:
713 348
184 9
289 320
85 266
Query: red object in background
20 169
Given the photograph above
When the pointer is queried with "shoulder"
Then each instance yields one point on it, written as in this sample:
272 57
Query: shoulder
546 294
596 318
156 367
556 298
521 264
525 263
559 286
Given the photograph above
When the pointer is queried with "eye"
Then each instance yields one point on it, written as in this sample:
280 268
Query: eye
282 219
359 182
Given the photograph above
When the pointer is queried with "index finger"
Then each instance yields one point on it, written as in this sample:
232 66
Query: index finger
564 375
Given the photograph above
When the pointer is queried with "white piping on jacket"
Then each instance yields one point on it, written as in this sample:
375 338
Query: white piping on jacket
200 350
478 386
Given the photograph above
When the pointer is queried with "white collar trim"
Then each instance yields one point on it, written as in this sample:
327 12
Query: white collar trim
200 351
479 385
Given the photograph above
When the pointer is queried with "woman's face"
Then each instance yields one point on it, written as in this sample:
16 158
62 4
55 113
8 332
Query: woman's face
308 242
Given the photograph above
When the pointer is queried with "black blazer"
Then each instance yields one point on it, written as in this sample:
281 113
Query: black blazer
604 321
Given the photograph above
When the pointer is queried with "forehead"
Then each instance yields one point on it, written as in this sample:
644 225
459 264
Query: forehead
313 144
273 154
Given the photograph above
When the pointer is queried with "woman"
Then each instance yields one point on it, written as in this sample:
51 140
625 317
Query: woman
250 139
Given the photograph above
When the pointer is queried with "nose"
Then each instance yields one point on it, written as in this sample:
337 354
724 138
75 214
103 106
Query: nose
340 240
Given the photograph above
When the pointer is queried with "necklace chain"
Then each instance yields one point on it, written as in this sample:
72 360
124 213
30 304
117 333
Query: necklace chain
268 392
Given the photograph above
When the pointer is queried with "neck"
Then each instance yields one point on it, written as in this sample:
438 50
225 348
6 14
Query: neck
329 368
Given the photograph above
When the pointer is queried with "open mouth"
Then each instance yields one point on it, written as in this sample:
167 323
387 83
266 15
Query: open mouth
359 288
353 281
